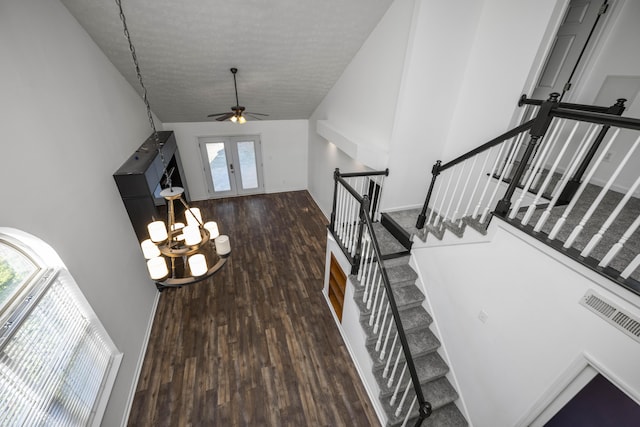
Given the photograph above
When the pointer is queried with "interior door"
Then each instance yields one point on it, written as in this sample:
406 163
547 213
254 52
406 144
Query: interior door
573 37
232 165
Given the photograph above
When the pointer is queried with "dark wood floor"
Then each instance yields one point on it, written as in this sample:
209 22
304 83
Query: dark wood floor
256 344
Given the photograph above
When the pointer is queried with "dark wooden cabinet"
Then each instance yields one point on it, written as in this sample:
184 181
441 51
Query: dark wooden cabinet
141 178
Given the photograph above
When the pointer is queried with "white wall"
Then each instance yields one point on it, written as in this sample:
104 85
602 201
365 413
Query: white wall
69 120
614 72
362 102
535 327
424 92
462 84
284 152
507 39
437 58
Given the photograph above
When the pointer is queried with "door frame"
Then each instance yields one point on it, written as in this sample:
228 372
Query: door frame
235 175
591 55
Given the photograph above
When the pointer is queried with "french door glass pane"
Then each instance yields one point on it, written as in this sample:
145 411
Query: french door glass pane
218 163
247 159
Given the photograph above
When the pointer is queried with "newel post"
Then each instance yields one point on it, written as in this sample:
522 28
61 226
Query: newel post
538 129
435 171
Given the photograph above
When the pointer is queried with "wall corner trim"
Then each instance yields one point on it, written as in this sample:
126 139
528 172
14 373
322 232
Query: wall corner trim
373 156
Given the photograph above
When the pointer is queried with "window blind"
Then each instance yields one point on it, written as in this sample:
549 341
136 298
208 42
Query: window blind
55 360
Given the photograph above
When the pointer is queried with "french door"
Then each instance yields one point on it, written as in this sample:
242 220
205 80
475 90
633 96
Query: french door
232 165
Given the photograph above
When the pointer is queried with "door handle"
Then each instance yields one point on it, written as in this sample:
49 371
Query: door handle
231 167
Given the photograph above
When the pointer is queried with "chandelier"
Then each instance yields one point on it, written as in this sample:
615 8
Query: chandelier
178 253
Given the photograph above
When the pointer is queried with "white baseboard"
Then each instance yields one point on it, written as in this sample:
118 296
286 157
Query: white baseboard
138 370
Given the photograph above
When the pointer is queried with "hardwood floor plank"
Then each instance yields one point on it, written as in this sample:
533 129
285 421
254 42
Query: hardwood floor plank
256 344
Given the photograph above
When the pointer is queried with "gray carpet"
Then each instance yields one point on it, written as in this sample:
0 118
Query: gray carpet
613 234
630 212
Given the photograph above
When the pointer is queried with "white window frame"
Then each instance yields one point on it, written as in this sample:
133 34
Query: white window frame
44 287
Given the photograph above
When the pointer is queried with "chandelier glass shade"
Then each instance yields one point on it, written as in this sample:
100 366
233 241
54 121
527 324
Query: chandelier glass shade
182 253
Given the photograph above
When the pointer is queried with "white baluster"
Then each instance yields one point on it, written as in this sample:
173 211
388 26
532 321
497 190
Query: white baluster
478 179
538 156
375 285
434 200
598 236
409 412
339 214
547 144
356 222
620 243
375 302
397 389
578 229
385 372
444 197
565 178
464 191
558 225
371 277
631 267
376 325
386 338
476 211
404 397
532 207
453 194
395 367
499 181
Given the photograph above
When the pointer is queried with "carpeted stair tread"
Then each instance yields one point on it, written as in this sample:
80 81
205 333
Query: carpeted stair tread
421 341
401 273
429 367
406 219
406 295
439 393
413 317
394 262
388 244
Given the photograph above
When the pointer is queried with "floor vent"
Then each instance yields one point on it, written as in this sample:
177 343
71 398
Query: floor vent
619 318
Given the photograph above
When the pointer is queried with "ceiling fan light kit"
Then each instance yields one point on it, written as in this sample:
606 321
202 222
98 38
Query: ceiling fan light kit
237 111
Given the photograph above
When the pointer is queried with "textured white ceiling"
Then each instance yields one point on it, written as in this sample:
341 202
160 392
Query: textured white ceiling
288 53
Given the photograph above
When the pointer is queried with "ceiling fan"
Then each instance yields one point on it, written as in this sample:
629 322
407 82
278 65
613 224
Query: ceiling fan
237 112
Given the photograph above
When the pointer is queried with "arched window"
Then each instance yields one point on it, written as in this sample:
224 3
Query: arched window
57 362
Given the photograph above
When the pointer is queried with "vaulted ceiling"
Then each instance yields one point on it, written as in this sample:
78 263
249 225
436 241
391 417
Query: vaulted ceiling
288 53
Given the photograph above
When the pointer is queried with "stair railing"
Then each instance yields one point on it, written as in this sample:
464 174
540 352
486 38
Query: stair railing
555 160
349 190
355 205
391 344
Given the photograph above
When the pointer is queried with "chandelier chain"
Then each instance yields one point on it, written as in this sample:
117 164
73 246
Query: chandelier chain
145 98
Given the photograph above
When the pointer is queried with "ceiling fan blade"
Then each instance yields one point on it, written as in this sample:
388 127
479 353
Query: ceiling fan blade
254 117
256 114
226 116
216 114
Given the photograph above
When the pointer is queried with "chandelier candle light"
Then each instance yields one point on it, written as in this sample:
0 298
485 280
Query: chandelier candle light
178 254
182 254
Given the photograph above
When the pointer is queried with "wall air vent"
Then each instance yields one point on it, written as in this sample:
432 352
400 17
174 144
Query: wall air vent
616 316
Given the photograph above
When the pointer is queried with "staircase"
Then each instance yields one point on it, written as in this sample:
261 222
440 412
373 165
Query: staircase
431 368
540 182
